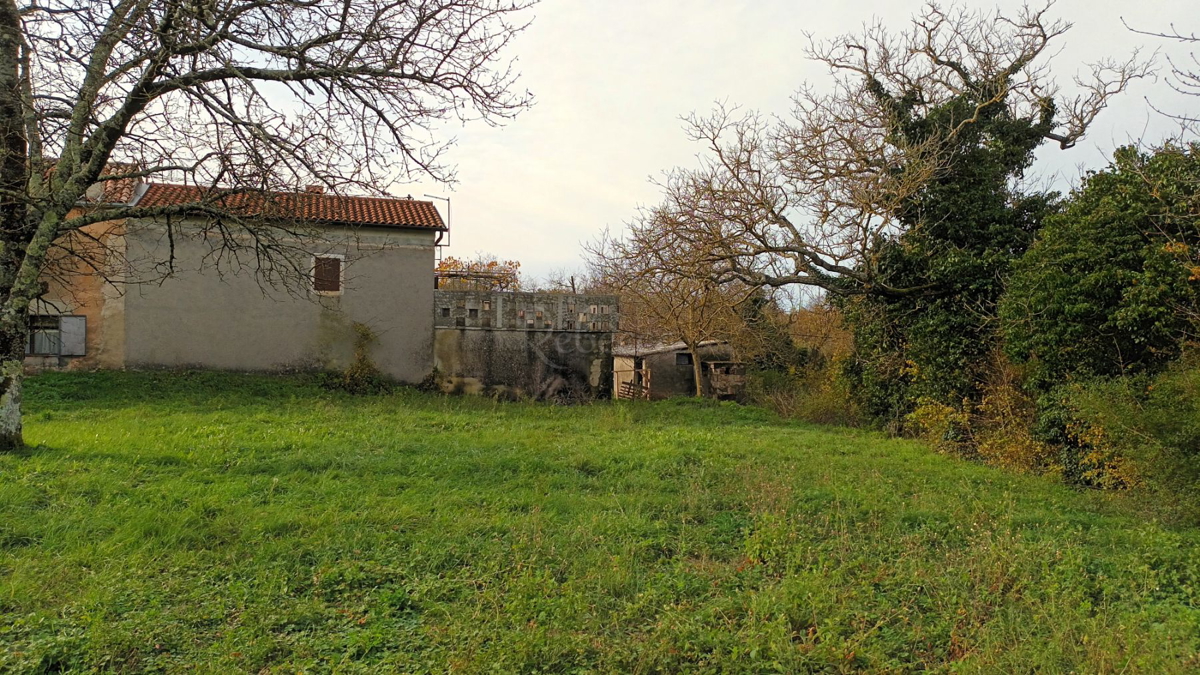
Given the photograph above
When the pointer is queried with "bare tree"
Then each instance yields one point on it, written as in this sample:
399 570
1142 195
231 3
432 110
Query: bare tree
238 97
1184 70
663 296
808 200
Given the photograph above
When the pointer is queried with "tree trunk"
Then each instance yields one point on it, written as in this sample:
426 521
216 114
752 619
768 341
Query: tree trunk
14 226
10 405
697 371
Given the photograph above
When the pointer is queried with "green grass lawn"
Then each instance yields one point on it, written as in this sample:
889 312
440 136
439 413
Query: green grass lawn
164 522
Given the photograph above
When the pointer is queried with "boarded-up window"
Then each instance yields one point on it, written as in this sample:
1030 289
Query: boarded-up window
327 275
73 335
683 359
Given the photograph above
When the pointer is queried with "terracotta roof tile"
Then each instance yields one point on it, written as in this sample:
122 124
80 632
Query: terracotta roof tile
306 206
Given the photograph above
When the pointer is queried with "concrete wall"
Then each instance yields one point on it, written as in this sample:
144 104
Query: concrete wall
525 311
494 349
219 315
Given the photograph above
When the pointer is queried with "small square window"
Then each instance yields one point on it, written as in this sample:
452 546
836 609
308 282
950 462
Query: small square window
548 324
521 314
570 309
445 311
539 314
570 325
529 323
683 359
595 326
487 322
592 309
460 322
604 309
472 313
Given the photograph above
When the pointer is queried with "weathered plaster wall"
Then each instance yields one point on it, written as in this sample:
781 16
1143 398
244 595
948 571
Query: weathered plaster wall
525 311
74 288
495 349
623 372
223 317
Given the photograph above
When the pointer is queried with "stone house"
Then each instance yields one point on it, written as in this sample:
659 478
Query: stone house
358 260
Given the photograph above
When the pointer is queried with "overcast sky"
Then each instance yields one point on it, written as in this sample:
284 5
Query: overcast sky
612 78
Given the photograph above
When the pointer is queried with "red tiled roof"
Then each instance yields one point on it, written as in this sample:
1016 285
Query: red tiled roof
304 206
119 191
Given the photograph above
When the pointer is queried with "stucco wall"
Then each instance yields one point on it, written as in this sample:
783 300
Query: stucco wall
221 316
73 288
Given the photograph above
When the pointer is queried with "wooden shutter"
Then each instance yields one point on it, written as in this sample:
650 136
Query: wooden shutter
327 275
73 333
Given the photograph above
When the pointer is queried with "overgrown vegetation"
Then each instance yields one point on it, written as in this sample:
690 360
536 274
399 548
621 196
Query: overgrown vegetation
995 319
362 377
236 523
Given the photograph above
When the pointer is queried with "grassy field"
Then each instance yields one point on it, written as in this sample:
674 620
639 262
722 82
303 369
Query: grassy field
218 523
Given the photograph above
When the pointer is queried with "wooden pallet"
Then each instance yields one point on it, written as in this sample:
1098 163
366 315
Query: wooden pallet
632 391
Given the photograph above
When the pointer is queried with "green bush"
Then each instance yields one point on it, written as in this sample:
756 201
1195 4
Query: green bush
1141 432
815 394
1109 287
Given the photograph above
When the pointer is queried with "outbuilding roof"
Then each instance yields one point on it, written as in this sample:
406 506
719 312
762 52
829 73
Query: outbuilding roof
659 348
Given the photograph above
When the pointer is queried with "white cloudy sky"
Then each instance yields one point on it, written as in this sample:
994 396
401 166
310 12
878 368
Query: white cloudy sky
611 79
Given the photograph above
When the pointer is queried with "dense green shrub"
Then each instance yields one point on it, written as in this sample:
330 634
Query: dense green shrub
1109 288
1140 431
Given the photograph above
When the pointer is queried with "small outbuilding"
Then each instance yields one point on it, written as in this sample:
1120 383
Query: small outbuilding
665 370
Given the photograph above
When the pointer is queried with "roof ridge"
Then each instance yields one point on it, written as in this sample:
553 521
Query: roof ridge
288 192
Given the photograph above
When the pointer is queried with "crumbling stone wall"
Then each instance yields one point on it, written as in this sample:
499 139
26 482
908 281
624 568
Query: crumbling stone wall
543 345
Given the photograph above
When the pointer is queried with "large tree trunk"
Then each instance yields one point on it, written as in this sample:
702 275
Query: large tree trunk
13 225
